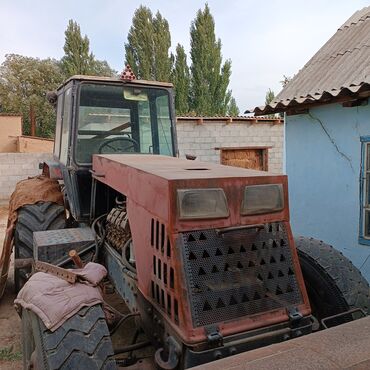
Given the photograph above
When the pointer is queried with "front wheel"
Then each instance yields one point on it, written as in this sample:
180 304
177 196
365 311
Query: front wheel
334 285
82 342
34 217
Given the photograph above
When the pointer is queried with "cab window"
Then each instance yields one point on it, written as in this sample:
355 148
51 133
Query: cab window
122 119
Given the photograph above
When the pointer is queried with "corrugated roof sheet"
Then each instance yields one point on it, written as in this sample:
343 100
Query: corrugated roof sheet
341 67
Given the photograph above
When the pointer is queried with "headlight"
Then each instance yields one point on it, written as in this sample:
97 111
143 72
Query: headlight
202 203
262 199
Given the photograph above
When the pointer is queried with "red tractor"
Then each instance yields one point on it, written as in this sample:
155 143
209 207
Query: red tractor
200 255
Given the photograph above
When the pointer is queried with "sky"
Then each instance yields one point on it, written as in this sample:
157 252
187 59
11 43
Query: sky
264 39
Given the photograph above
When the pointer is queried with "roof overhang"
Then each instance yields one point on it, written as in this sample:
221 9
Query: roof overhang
353 95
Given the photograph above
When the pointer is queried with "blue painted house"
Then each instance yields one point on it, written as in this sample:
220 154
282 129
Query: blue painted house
327 142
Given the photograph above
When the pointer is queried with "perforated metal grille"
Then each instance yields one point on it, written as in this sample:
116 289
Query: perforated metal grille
238 273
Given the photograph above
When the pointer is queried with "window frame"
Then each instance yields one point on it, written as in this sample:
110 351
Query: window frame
155 146
365 144
64 149
58 125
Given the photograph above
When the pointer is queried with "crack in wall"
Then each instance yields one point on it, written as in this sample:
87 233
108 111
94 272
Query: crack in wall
343 155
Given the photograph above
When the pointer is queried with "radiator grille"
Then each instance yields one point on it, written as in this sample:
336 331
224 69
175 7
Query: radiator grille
239 273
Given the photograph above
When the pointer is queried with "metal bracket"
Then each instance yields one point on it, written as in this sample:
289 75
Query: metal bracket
174 352
213 335
294 314
343 314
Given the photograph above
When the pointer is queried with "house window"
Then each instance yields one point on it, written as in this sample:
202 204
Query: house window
365 192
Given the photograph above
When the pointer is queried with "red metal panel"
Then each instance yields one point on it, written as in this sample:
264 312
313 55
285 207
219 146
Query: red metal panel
150 184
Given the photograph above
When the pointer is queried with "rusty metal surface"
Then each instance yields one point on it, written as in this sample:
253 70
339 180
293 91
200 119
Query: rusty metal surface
150 184
54 245
238 274
170 168
340 67
59 272
117 228
343 347
117 80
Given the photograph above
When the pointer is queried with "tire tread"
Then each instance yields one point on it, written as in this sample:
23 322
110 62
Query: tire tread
34 217
350 285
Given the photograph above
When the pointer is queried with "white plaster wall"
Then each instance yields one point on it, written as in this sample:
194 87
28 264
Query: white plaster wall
201 140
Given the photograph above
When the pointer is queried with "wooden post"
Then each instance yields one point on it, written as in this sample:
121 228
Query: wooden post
32 121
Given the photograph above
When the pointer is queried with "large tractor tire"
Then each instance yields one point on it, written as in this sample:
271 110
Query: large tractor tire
334 285
35 217
82 342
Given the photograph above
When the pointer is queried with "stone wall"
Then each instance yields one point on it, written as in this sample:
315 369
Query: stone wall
18 166
200 137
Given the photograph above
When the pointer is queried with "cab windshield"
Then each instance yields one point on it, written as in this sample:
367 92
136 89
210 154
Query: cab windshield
122 119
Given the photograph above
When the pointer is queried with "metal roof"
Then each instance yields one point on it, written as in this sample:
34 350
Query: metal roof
341 68
115 79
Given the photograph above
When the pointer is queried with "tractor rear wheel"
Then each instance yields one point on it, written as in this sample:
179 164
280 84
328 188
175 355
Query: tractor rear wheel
35 217
83 341
334 285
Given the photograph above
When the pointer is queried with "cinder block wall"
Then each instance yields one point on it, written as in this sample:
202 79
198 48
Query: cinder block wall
201 137
18 166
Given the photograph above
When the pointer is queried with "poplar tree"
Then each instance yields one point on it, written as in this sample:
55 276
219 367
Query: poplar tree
77 59
161 45
148 44
232 109
269 97
209 77
181 81
139 46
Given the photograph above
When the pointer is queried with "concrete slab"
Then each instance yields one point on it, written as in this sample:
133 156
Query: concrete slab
344 347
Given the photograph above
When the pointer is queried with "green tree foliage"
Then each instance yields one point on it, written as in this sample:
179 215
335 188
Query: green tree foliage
181 81
161 44
232 109
269 97
24 82
78 60
148 44
139 46
102 68
209 77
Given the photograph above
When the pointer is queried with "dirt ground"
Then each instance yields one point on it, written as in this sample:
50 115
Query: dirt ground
10 323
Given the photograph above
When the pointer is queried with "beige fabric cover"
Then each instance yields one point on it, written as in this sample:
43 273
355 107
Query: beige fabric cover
55 300
29 191
33 190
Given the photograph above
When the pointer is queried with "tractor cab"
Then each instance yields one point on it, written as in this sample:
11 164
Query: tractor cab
99 115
